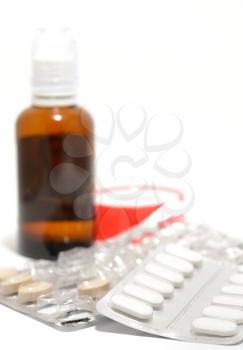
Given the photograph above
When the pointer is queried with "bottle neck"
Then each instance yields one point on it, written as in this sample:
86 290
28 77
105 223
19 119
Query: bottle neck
53 101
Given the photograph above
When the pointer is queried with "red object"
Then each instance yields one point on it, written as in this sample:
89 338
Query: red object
112 220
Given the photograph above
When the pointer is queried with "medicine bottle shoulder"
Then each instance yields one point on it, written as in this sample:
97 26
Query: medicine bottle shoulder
53 120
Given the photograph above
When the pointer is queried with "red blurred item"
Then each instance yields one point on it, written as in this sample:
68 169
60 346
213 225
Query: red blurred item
112 220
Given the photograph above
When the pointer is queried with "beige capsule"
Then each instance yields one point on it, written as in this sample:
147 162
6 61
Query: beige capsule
11 285
30 292
93 287
6 273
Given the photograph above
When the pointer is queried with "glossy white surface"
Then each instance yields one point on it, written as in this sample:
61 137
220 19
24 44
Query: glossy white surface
132 307
237 279
177 264
175 278
232 289
184 253
150 296
147 280
228 301
211 326
224 313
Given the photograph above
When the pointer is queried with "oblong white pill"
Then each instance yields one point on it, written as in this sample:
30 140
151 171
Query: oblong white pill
237 278
163 287
224 313
150 296
228 301
175 278
11 285
232 289
31 291
132 307
6 273
178 264
213 326
184 253
240 268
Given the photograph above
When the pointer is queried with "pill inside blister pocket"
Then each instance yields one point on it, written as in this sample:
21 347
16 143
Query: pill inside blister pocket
11 285
175 263
93 287
228 301
232 289
145 294
30 292
132 307
163 287
6 273
215 327
224 313
175 278
184 253
237 278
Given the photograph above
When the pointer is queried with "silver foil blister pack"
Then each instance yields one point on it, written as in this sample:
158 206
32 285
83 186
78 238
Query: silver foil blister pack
195 304
80 277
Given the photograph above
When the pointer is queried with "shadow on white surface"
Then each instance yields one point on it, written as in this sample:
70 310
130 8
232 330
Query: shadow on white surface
104 324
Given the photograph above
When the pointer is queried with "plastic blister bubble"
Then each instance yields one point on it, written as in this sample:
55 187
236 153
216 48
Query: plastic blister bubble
132 306
102 266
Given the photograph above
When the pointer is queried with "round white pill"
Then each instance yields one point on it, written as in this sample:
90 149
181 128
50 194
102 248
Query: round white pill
178 264
93 287
151 297
11 285
224 313
212 326
184 253
228 301
6 273
175 278
240 268
30 292
132 307
163 287
232 289
237 278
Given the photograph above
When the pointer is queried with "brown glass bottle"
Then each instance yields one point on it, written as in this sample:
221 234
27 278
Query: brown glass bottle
55 177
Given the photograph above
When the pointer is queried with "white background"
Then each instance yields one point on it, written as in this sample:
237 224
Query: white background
179 56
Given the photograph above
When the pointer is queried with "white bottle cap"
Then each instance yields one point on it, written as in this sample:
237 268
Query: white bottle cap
54 66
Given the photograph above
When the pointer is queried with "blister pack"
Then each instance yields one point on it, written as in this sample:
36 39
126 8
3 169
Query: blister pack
180 294
63 293
46 299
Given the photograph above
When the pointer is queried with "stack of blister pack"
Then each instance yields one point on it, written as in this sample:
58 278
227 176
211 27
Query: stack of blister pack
182 282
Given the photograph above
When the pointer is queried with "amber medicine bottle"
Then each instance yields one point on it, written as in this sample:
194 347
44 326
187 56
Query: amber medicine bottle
55 154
